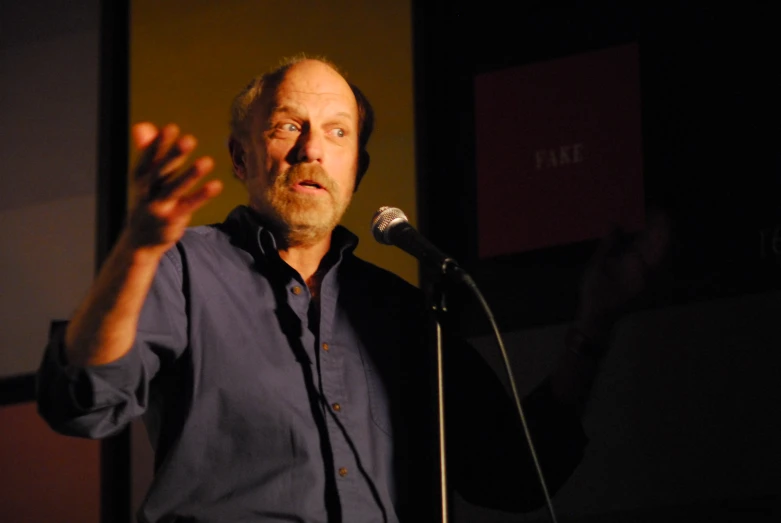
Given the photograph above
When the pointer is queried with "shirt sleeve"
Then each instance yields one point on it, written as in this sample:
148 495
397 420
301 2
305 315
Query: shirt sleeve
489 459
99 401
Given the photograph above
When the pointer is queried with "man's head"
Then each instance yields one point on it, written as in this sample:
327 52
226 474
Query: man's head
298 138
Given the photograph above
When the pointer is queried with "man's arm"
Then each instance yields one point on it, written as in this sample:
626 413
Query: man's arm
103 328
91 381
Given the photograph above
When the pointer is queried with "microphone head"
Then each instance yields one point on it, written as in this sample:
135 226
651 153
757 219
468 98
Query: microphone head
384 220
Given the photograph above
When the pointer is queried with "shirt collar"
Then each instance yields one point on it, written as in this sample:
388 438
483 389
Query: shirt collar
250 231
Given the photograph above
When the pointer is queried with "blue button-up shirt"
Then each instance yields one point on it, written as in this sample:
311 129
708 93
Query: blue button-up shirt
262 403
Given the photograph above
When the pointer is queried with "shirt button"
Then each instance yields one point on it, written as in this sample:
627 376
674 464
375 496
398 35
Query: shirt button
325 347
296 290
343 472
336 407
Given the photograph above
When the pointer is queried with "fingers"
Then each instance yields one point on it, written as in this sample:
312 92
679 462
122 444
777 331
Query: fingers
143 133
176 186
148 144
162 152
176 155
192 202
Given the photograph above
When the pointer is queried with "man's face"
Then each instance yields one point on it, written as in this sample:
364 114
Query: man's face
301 156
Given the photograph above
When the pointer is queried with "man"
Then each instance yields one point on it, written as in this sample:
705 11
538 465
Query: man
276 372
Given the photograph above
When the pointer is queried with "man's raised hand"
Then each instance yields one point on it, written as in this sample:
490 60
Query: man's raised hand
163 196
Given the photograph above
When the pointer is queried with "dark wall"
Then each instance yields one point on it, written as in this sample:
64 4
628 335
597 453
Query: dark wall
682 419
710 122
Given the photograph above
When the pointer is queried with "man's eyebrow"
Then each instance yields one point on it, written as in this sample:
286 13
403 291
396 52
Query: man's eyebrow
343 118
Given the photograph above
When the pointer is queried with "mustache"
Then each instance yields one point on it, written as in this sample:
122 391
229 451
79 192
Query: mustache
312 172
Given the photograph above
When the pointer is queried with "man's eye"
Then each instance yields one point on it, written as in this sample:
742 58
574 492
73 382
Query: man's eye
338 132
289 127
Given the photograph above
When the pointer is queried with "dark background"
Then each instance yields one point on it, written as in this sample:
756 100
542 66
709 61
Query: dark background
710 123
683 419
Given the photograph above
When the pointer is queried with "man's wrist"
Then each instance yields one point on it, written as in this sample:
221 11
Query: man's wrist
138 254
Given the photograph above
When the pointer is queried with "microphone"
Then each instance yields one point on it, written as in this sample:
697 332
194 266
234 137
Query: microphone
390 226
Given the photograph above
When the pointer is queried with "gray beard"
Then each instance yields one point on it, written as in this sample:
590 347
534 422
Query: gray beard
305 219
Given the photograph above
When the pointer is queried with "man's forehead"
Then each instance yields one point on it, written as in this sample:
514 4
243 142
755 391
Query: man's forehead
314 72
307 85
301 98
286 107
290 100
311 87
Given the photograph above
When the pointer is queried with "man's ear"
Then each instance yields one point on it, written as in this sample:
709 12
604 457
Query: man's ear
363 165
236 151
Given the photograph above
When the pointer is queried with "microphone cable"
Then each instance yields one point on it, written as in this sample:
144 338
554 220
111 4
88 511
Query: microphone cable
388 219
467 279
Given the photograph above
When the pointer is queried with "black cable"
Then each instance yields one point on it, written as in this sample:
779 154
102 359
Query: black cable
473 287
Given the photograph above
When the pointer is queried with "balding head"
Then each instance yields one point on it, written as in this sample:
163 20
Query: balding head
262 88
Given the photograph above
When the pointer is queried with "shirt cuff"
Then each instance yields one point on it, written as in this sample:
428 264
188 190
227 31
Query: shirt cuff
90 387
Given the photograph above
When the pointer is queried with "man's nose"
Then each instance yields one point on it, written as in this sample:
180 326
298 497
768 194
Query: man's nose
310 146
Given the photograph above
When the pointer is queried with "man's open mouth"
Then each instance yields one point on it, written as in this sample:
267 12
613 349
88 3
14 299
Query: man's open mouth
310 184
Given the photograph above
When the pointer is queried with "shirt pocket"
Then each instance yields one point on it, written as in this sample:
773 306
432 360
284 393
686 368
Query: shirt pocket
378 386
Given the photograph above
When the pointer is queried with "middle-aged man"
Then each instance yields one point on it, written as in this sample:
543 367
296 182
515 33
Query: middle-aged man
277 373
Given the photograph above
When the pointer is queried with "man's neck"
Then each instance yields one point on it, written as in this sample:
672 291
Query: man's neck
302 255
306 258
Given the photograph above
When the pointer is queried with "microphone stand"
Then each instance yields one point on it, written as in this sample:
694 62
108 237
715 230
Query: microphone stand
390 227
437 306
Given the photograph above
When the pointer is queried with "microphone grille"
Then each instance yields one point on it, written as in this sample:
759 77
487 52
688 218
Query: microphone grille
383 220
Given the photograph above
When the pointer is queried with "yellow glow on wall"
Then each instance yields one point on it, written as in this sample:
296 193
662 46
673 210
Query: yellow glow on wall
189 58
